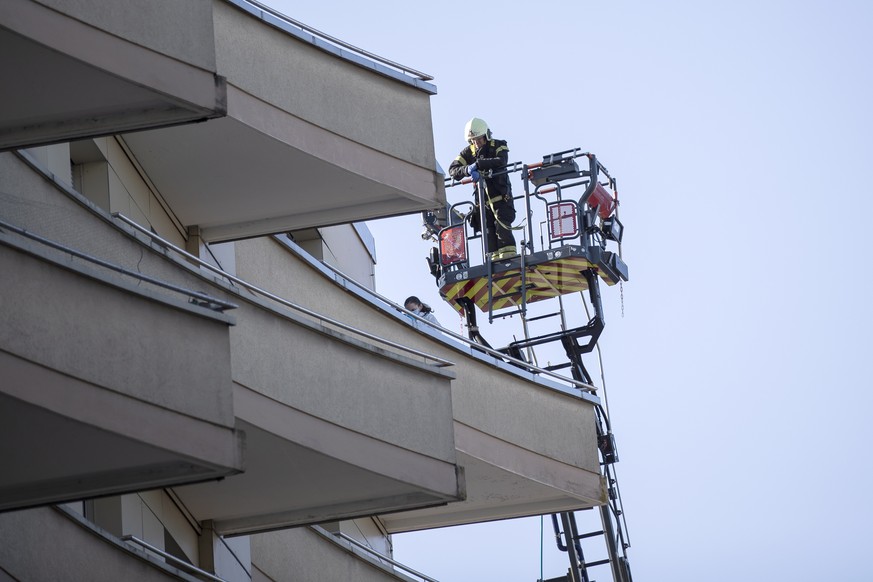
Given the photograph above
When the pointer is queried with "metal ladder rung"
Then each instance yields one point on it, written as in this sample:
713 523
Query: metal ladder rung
507 314
544 316
596 563
523 290
557 367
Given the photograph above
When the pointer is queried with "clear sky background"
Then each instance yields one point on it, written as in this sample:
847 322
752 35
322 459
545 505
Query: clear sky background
739 375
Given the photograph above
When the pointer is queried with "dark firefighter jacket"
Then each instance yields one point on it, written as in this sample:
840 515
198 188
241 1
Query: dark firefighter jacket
491 156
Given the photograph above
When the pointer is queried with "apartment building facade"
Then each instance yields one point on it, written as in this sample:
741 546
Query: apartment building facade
199 380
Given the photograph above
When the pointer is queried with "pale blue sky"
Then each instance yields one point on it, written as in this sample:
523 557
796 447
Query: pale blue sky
739 378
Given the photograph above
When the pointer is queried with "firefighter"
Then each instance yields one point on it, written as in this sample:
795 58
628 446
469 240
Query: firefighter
483 153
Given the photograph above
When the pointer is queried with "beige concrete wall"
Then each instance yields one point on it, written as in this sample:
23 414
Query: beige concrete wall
233 558
107 175
56 159
345 251
115 339
406 404
548 422
153 513
43 544
130 195
181 29
303 555
320 88
265 261
138 520
35 204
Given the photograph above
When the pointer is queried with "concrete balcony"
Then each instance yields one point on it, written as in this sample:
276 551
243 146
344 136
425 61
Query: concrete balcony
83 69
302 132
91 364
311 137
525 449
336 427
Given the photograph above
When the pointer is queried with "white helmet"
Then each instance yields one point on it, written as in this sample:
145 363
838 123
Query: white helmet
476 128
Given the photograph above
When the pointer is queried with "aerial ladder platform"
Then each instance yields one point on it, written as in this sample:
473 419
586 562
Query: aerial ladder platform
573 201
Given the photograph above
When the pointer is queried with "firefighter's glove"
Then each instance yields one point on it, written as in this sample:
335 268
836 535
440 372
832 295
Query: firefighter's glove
474 173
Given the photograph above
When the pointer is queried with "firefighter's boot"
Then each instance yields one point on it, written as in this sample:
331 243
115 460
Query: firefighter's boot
506 252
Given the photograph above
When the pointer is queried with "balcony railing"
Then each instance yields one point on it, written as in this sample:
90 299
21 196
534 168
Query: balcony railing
195 297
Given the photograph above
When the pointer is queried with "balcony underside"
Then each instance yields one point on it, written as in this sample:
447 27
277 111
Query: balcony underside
505 481
52 457
64 79
262 171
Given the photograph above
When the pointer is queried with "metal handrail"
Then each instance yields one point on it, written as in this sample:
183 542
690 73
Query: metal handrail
340 43
253 288
197 297
172 558
384 557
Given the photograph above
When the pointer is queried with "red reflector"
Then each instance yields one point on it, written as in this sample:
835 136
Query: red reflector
602 199
563 220
453 245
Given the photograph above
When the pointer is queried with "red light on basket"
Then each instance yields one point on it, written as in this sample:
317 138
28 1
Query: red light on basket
563 220
453 245
602 199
